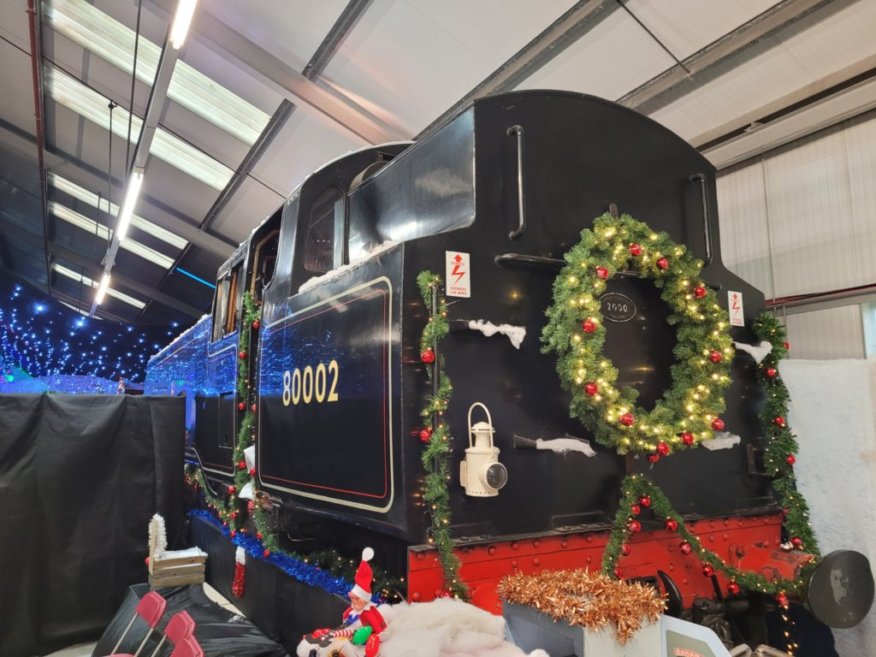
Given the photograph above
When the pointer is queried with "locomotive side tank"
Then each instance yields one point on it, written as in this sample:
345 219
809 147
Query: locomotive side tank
491 201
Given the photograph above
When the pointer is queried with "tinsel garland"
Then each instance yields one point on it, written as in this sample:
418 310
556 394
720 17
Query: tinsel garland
588 599
633 489
435 433
781 450
689 410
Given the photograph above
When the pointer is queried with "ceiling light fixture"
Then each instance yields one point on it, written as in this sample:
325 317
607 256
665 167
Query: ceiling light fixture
132 195
182 19
101 289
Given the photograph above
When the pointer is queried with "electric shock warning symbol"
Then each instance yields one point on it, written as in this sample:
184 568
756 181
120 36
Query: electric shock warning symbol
458 274
734 307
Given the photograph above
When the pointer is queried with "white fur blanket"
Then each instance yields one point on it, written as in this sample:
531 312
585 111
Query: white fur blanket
442 628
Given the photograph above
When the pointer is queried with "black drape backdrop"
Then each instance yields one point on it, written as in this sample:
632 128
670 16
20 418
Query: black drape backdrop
80 477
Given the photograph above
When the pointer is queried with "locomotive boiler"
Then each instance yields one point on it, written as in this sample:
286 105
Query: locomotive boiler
490 201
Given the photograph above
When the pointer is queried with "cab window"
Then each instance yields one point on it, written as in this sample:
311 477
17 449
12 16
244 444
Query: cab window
319 247
227 306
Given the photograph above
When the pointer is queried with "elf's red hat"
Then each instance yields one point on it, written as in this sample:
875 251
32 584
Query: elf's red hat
362 587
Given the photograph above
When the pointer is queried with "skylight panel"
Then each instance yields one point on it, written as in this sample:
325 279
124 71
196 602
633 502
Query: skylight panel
87 102
112 41
85 280
72 217
100 202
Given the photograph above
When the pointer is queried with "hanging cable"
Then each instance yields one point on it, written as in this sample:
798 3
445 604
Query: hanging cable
109 174
133 85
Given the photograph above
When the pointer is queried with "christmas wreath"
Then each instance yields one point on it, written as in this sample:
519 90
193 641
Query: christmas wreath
689 410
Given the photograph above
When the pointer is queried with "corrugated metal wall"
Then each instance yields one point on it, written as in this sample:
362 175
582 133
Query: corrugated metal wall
802 220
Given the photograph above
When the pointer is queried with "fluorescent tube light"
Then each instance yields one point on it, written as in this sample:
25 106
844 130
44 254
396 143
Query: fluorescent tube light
182 20
132 195
101 289
72 189
85 280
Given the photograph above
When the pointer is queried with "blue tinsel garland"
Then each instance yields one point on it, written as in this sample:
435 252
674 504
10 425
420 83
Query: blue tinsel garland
296 568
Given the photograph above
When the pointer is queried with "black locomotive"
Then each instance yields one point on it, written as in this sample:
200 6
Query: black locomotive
491 201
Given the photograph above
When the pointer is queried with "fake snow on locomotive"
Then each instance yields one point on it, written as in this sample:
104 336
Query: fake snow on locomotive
491 201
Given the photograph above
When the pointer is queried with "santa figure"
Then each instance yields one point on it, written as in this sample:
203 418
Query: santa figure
359 633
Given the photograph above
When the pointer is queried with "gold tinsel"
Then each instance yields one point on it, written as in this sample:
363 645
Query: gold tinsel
591 600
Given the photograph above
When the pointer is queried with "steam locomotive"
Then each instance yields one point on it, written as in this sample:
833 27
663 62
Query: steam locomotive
491 200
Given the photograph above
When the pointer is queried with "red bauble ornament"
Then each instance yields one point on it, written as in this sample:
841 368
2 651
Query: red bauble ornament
791 459
618 574
663 262
687 438
733 588
427 356
242 355
635 249
588 325
715 356
628 419
797 542
782 599
266 554
602 272
718 424
259 535
232 490
634 526
635 510
671 524
241 465
645 501
255 325
653 458
252 472
699 292
253 408
685 548
779 421
146 561
663 449
233 533
626 549
770 372
241 406
786 345
708 570
591 388
250 506
234 515
425 434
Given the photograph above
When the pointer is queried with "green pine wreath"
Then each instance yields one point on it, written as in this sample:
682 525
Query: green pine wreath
690 408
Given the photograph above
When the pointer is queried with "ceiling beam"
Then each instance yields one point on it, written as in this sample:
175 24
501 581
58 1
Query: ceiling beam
562 33
342 27
778 23
283 78
170 216
95 270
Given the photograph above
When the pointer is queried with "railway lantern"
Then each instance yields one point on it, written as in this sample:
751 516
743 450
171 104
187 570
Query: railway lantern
480 472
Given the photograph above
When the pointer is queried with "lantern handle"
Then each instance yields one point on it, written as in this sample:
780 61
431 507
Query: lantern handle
489 421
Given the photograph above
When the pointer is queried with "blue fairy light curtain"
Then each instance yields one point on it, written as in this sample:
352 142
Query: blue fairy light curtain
47 347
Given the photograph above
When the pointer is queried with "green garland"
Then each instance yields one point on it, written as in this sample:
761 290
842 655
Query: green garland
435 433
689 410
636 487
781 450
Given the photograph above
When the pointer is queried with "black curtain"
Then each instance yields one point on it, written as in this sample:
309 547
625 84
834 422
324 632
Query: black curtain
80 478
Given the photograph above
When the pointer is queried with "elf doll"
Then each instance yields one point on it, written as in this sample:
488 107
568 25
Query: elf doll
362 623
